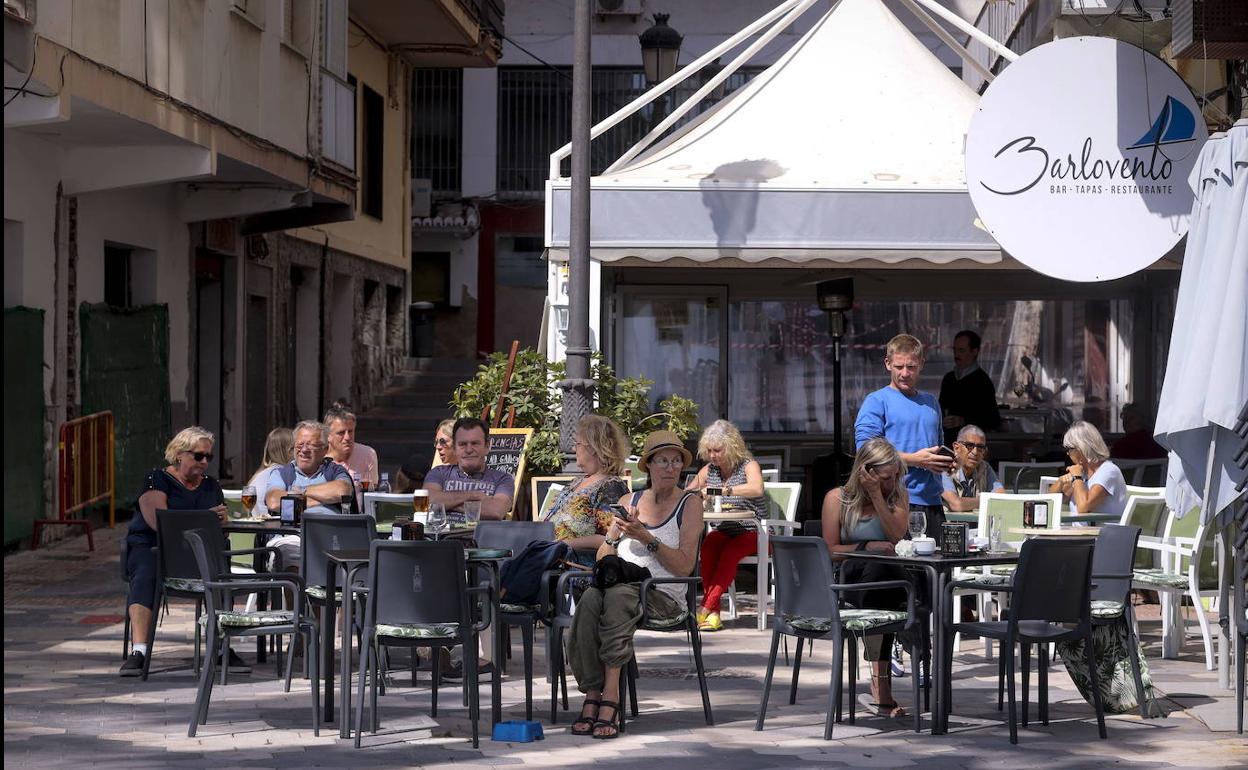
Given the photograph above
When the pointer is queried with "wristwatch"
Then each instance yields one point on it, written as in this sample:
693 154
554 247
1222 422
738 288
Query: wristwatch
1074 478
653 546
614 543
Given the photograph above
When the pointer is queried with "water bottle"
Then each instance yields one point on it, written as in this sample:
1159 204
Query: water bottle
384 484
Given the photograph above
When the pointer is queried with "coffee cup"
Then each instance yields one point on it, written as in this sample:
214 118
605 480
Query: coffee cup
924 546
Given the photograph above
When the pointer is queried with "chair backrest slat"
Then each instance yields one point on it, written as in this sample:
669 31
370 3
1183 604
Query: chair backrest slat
1010 506
512 535
1114 555
176 559
417 581
784 496
1053 580
803 570
323 532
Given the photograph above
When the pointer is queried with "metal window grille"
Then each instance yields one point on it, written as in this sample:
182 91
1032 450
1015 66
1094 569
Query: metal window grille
535 119
437 131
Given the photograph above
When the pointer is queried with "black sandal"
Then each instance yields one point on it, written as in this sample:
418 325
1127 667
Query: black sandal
588 722
613 722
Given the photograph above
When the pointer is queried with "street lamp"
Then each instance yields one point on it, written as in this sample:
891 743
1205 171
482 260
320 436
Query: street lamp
660 49
836 298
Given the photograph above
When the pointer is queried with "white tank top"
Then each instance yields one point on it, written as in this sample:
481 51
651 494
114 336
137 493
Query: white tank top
668 533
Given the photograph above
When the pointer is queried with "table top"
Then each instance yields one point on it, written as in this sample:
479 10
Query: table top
267 524
1060 532
938 559
1093 517
736 514
349 556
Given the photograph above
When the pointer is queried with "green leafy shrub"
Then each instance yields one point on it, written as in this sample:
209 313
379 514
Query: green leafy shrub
536 399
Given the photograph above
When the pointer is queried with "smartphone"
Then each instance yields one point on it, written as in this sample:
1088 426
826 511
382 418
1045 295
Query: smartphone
288 510
946 451
620 511
714 491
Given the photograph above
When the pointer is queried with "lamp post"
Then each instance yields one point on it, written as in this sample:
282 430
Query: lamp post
660 52
836 298
578 388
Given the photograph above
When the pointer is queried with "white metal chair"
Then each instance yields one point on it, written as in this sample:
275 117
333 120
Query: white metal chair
784 497
1189 568
1133 490
385 506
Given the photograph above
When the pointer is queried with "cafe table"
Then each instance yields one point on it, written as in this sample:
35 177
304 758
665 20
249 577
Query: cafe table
939 571
350 561
260 525
1062 531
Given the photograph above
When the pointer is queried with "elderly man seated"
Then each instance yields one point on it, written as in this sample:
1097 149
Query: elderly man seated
317 478
470 480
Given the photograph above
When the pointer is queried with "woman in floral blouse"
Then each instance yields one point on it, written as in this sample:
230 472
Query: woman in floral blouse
580 513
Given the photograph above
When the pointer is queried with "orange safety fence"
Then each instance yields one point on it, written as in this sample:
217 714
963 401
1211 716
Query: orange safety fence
85 462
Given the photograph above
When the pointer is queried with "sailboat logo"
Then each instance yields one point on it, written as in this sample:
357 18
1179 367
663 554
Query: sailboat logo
1175 123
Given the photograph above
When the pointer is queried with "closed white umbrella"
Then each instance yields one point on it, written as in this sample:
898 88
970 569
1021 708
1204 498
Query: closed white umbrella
1206 381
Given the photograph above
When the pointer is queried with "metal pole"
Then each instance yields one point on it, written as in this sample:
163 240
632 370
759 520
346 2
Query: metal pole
838 450
578 388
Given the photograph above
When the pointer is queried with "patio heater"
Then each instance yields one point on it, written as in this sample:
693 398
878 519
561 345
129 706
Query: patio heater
836 298
660 51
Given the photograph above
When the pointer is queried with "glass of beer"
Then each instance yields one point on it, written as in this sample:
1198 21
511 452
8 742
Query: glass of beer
420 501
249 501
366 486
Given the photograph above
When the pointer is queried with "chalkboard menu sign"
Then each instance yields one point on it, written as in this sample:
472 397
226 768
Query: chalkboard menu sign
507 447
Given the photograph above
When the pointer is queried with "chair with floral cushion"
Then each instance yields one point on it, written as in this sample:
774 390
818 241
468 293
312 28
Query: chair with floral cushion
222 622
808 607
419 596
515 536
177 575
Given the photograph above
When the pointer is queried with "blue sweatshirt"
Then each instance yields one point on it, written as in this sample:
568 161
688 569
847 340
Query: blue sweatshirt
910 423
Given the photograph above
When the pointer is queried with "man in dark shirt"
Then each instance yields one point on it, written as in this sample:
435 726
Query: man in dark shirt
967 395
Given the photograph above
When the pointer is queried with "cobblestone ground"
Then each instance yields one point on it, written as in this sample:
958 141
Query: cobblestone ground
65 706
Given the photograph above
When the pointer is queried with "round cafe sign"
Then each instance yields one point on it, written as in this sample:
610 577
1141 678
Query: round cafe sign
1078 156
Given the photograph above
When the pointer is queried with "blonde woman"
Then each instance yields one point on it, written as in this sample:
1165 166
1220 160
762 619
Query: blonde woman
871 513
580 513
182 485
731 468
1091 483
444 444
279 448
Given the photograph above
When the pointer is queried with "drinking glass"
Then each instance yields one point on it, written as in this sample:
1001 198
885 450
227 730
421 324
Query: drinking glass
420 501
472 511
437 519
249 500
918 524
994 533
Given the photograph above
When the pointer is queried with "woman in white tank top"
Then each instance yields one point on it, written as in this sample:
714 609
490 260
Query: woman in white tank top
661 533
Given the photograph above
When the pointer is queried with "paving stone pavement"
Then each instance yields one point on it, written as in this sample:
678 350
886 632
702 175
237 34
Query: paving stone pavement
65 706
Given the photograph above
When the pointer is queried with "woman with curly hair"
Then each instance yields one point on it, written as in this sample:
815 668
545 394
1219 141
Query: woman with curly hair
580 513
731 468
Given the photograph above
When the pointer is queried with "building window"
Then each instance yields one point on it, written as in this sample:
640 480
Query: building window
117 284
535 119
372 167
431 277
437 130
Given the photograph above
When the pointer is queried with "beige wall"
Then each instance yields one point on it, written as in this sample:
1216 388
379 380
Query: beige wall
388 239
231 65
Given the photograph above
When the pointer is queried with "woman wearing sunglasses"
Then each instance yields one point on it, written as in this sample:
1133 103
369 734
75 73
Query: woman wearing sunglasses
182 485
444 444
971 474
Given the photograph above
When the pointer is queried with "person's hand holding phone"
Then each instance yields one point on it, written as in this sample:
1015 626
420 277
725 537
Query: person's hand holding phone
627 524
934 459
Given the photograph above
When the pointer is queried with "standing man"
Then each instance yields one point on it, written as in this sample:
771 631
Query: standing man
910 420
470 479
360 460
967 395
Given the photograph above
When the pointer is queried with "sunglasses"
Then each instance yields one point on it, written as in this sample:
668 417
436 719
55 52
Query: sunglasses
201 456
442 442
971 447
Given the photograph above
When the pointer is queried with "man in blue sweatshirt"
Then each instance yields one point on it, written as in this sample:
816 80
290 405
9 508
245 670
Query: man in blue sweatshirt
911 421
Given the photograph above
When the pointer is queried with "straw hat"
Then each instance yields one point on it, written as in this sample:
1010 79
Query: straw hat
657 442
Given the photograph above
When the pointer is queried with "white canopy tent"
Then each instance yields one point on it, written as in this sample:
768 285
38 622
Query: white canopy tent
849 147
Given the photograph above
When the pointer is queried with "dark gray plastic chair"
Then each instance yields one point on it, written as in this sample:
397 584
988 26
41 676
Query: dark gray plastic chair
808 607
1111 595
223 622
419 596
1051 602
515 536
177 575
